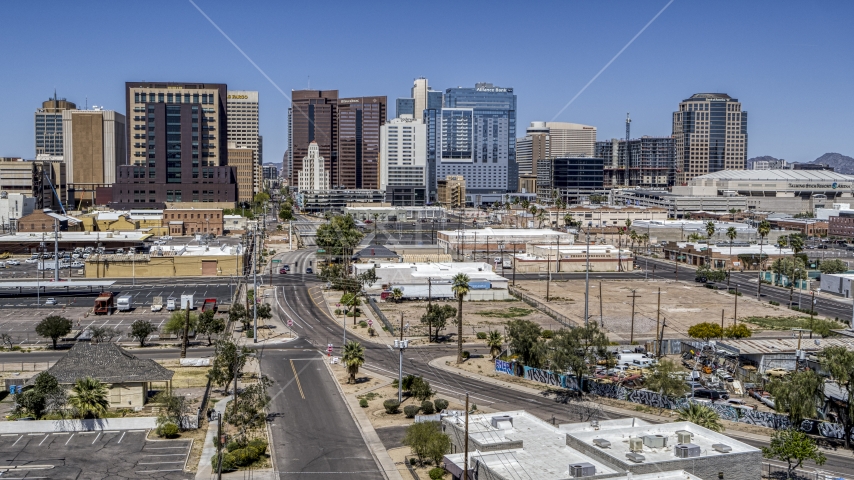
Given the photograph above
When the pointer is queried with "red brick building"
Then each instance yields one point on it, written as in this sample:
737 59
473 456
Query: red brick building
841 225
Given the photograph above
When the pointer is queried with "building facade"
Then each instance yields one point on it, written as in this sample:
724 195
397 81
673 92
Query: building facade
194 220
403 153
357 165
571 139
532 147
243 160
710 134
648 162
841 225
473 135
452 191
313 117
243 125
49 128
94 147
571 177
178 146
313 176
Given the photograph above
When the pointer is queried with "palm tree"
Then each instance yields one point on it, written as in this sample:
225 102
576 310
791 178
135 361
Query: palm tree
460 288
525 204
701 415
710 232
396 294
731 234
376 217
90 398
763 230
782 243
620 246
353 358
541 216
495 342
633 235
796 243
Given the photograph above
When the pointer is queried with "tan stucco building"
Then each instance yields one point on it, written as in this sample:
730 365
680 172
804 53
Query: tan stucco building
191 221
183 262
451 192
243 159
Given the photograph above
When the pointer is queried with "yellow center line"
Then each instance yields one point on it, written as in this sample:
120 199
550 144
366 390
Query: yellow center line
299 386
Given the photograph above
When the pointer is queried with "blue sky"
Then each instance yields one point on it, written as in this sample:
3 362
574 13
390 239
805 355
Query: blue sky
790 63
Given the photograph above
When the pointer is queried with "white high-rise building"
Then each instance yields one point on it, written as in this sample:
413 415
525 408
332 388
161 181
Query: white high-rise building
242 110
313 175
419 94
403 153
571 139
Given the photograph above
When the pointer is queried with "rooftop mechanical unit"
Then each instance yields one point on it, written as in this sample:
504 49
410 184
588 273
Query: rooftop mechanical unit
636 444
601 443
635 457
684 436
496 420
583 469
655 441
686 450
720 447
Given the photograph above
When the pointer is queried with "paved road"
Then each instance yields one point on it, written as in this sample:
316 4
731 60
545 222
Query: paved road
313 433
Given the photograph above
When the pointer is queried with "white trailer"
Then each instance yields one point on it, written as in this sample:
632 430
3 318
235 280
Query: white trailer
425 291
187 301
124 303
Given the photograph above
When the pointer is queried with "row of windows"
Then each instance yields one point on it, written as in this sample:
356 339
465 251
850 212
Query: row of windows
172 98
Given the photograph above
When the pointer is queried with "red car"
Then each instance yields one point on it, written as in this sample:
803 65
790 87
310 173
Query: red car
283 270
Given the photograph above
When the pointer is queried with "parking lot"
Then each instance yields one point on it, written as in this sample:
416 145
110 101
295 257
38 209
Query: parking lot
20 314
110 454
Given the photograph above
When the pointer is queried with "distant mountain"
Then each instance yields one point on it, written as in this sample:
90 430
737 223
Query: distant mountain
765 158
840 163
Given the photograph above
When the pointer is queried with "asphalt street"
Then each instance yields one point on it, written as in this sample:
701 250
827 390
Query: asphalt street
313 433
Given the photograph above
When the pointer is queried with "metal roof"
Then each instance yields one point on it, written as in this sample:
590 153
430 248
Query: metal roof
750 346
776 175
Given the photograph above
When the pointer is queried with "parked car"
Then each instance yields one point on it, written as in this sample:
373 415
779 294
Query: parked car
12 262
50 301
711 394
77 264
776 372
309 270
31 260
287 268
283 270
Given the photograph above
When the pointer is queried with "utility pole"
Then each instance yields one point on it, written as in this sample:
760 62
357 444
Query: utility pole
812 310
548 274
466 442
658 314
677 265
735 314
184 341
633 296
219 447
429 304
401 346
587 279
514 263
56 250
722 324
661 337
601 315
255 287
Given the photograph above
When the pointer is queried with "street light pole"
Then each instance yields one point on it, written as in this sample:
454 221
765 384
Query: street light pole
587 278
255 286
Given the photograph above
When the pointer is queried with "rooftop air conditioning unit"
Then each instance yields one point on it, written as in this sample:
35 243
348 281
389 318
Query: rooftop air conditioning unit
498 419
636 444
583 469
655 441
601 443
720 447
686 450
683 436
635 457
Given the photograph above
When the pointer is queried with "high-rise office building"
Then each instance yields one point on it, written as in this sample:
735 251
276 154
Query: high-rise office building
359 121
48 122
532 147
313 176
422 98
178 145
243 160
571 177
94 147
404 106
403 160
571 139
710 131
243 126
473 135
313 117
647 162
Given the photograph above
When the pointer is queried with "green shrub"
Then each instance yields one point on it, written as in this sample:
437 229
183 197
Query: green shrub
547 334
363 324
244 456
337 311
249 333
436 473
410 410
413 460
259 445
466 354
363 403
234 445
227 462
391 406
168 430
772 302
427 407
372 332
481 335
440 404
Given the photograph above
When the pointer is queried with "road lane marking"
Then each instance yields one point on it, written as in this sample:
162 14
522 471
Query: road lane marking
18 440
123 436
69 439
296 376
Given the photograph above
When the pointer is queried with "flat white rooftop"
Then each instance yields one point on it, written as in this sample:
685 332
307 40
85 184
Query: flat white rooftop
738 250
505 232
75 237
423 271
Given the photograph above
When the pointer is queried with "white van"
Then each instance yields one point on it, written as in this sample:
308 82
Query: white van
644 362
629 358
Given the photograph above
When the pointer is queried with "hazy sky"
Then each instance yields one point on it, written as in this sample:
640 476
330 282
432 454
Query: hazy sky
789 63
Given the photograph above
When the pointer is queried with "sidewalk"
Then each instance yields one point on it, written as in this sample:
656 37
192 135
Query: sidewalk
205 470
440 363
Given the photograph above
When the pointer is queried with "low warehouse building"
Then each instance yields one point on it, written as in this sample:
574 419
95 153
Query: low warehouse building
540 258
181 261
434 280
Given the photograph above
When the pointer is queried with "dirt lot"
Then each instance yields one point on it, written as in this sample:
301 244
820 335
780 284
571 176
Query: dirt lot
477 316
683 304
